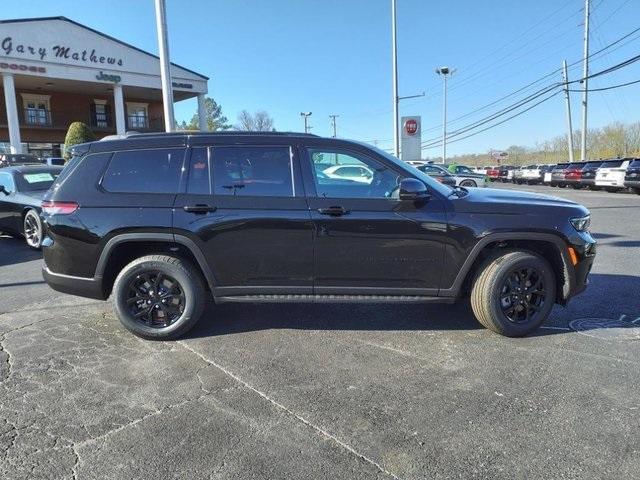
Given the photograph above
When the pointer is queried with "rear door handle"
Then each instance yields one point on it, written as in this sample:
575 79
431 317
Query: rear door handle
199 208
334 211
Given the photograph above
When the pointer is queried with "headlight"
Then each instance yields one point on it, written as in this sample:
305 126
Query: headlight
581 224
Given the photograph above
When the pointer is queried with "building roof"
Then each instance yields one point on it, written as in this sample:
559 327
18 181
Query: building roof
65 19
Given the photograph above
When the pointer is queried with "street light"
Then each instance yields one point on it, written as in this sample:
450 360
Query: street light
306 115
444 72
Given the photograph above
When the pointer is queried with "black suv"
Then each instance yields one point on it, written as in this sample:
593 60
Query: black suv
163 221
632 177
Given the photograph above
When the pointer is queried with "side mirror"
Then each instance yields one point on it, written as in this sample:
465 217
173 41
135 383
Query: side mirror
3 190
412 189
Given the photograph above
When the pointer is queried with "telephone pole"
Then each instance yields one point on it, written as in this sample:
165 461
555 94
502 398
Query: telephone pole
585 74
306 115
565 79
444 72
333 124
165 66
394 61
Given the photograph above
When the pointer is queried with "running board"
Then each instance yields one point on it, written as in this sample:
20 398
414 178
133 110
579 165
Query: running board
306 298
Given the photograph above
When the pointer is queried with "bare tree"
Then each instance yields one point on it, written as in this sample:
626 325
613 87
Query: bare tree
258 122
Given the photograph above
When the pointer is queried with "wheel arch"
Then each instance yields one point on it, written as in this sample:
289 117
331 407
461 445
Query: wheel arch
122 249
549 246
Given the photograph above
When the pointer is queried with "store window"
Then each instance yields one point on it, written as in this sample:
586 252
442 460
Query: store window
37 109
100 114
137 115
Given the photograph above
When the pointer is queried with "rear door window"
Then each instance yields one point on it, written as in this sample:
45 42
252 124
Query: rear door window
145 171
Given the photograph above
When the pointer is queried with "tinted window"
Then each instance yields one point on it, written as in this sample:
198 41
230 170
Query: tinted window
370 179
431 170
635 164
144 171
199 181
612 164
593 165
7 182
252 171
561 166
37 179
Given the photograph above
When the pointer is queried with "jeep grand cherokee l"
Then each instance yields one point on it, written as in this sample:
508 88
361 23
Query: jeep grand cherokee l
161 222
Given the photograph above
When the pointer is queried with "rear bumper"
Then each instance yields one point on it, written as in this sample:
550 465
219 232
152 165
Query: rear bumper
613 182
80 286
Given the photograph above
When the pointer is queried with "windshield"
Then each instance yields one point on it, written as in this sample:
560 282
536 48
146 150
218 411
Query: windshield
36 179
430 182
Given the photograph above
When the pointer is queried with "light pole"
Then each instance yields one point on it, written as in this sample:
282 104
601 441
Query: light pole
306 115
165 66
333 124
444 72
394 61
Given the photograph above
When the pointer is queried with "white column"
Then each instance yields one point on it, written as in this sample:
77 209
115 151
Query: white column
202 113
118 104
12 112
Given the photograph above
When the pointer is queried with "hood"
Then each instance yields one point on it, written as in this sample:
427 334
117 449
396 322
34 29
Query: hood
499 201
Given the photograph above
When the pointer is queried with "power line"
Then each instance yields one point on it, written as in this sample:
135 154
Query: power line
610 87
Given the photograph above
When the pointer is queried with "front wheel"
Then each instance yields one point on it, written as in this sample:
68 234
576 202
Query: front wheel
468 183
159 297
33 229
513 294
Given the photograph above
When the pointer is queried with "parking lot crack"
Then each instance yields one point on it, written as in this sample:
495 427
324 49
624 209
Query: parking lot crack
332 438
5 371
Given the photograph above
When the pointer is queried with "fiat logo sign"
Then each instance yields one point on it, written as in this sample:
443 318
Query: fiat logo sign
411 126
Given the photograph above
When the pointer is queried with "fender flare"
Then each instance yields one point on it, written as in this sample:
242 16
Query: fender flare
556 240
155 237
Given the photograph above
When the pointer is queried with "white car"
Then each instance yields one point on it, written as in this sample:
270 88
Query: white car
530 174
610 175
355 173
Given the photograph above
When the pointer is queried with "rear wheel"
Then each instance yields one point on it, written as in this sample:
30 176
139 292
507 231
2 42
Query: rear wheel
635 190
612 189
514 293
468 183
33 229
159 297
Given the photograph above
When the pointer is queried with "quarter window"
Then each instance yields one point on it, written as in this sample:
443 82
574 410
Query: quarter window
340 174
7 182
199 182
144 171
253 171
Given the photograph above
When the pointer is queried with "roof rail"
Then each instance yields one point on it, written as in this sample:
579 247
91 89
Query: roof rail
217 133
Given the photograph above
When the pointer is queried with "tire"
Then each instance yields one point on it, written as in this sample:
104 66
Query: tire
496 276
636 190
612 189
32 228
562 185
139 276
468 183
595 188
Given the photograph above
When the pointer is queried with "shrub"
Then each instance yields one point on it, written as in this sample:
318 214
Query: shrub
78 133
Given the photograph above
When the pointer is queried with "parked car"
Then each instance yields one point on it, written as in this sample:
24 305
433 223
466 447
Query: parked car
516 176
439 173
493 173
53 161
159 222
611 174
573 174
21 192
557 175
505 173
545 171
355 173
466 177
632 176
588 176
530 174
11 159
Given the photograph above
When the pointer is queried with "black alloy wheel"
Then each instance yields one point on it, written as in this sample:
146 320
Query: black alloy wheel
523 295
155 299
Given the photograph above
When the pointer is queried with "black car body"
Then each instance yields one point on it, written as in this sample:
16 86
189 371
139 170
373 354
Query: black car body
252 221
21 191
558 175
503 172
588 177
439 173
15 159
632 177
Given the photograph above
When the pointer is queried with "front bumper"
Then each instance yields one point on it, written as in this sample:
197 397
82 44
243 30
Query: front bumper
577 273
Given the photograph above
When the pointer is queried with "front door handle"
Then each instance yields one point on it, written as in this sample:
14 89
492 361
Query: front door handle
334 211
199 208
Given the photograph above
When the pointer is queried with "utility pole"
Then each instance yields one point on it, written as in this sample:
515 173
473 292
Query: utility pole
333 124
444 72
565 80
306 115
585 74
165 66
394 60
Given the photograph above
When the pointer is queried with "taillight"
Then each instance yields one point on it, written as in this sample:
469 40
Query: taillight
58 208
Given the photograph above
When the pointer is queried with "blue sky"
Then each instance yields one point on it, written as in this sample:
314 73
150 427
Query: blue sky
334 57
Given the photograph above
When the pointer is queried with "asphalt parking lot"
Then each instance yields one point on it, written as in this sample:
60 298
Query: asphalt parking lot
327 391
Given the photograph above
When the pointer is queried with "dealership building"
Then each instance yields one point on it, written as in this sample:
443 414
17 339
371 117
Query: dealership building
56 71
